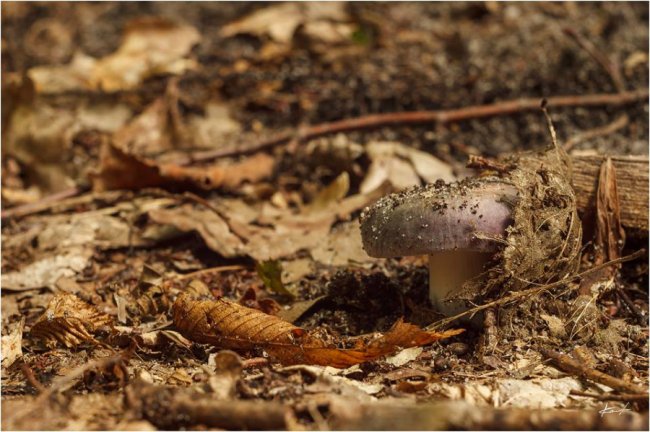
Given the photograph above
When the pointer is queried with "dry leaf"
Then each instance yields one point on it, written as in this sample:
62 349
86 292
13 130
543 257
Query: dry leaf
279 21
149 296
151 46
215 129
149 133
229 325
52 79
40 136
610 235
402 166
69 321
298 309
227 373
330 194
121 170
46 271
342 246
274 236
12 343
210 226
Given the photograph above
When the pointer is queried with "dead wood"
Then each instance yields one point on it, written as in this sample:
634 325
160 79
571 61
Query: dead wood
460 415
613 397
632 184
172 408
425 117
573 367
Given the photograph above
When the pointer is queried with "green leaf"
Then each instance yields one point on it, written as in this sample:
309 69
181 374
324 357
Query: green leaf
271 274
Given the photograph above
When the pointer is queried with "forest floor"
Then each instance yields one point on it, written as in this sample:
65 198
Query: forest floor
226 150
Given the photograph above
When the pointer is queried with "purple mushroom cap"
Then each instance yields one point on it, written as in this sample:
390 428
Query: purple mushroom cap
439 217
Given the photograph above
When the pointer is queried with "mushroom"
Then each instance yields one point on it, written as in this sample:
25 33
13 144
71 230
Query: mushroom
457 225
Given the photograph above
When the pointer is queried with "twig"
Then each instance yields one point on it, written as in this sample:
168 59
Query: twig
210 270
612 397
31 378
573 367
609 66
42 204
539 289
607 129
630 304
424 117
254 362
170 408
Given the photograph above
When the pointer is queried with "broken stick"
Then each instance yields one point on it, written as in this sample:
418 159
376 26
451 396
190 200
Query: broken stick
573 367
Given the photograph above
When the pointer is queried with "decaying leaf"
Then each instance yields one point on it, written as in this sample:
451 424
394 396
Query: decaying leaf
342 246
69 321
121 170
229 325
275 235
402 166
150 295
279 21
215 129
12 344
332 193
211 227
271 274
40 135
298 309
151 46
46 271
610 235
227 373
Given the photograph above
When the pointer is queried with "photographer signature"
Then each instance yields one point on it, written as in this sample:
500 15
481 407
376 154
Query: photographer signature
611 410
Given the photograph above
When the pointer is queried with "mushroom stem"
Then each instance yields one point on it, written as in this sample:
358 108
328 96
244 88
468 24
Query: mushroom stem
448 271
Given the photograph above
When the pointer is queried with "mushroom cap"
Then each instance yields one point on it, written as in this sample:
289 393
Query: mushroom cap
439 217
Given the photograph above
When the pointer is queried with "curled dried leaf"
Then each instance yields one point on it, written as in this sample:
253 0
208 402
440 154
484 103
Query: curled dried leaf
230 325
150 294
69 321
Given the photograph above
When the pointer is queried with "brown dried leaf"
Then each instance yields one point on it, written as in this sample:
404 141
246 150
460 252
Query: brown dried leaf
279 21
121 170
610 235
151 46
69 321
229 325
210 226
12 343
274 236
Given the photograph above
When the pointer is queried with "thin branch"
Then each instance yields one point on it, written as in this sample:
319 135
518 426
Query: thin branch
574 367
31 378
42 204
425 117
638 315
607 129
609 66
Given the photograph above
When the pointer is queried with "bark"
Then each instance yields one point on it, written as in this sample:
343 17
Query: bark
632 183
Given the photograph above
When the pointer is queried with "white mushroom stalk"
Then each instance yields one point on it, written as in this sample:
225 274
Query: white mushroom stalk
457 225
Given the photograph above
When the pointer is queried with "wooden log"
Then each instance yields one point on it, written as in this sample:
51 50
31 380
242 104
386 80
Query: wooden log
632 184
